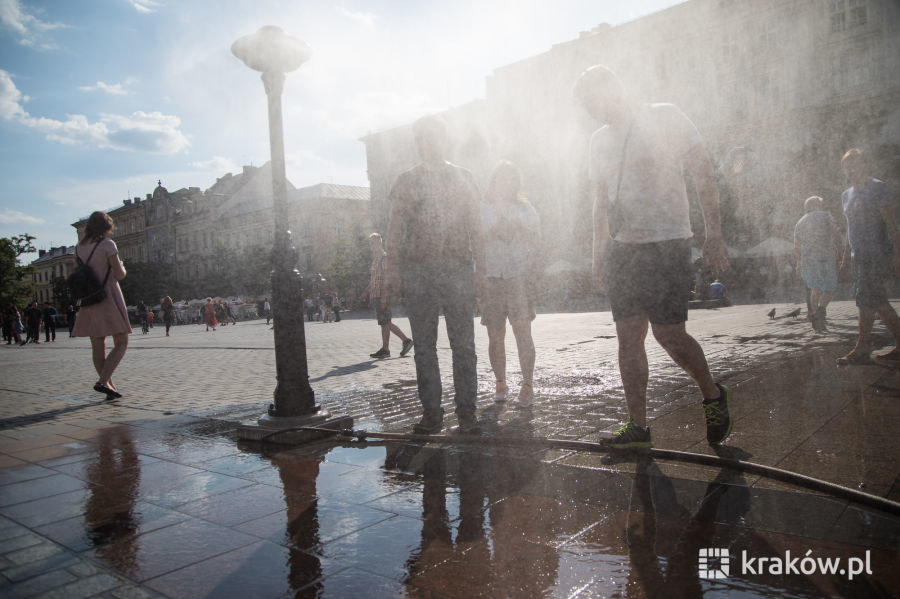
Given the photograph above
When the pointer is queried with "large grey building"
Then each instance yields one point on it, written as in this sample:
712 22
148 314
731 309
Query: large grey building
778 88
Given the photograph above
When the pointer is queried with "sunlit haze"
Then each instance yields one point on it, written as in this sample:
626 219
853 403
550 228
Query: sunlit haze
100 100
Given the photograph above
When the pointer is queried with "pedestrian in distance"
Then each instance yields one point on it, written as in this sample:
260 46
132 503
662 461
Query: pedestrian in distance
71 315
872 246
49 314
817 246
433 242
12 325
336 306
642 240
267 309
376 292
167 306
719 291
33 317
108 317
221 314
209 312
142 314
510 229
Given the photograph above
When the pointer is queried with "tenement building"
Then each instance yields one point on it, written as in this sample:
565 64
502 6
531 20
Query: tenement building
49 267
193 231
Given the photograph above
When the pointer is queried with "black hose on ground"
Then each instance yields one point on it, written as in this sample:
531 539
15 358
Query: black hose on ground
801 480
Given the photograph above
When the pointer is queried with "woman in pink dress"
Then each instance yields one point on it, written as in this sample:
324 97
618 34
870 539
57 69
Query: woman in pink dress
210 311
108 317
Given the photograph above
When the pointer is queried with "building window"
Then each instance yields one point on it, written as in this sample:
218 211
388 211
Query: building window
838 22
858 16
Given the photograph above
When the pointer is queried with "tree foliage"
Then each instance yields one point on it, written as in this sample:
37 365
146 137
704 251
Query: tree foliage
14 287
147 281
349 270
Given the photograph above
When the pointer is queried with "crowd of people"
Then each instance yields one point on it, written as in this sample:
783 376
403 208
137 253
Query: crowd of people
449 247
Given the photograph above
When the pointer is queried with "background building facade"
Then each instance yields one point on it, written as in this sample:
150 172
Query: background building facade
779 89
194 239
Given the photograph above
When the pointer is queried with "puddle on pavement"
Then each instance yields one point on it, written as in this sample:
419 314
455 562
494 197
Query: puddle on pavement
399 519
194 516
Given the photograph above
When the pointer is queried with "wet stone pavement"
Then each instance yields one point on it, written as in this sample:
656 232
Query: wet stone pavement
152 496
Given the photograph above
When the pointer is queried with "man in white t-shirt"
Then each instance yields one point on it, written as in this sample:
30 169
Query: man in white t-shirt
642 240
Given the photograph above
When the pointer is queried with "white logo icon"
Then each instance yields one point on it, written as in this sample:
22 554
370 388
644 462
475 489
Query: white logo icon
713 563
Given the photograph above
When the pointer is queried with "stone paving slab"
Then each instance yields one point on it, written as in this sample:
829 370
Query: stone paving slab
149 494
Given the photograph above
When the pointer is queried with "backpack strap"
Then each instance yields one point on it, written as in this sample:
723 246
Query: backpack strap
91 255
615 213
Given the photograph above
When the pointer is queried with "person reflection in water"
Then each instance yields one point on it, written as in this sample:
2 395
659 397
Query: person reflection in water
109 512
642 240
510 226
872 243
498 522
433 241
681 578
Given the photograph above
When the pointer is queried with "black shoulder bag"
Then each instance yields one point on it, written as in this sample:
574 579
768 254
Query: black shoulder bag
86 289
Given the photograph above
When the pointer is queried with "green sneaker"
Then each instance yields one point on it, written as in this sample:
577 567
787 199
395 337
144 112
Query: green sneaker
718 419
630 436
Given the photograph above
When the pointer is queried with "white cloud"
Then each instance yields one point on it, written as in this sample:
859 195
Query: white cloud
217 164
144 6
364 18
151 132
11 98
115 89
29 28
10 217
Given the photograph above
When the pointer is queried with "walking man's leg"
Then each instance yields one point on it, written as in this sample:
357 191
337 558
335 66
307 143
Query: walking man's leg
459 314
423 321
633 368
688 354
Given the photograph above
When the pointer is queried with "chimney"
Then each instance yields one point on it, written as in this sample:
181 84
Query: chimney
41 253
126 202
149 196
247 170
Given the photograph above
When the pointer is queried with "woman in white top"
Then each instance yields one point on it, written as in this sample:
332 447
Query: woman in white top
511 228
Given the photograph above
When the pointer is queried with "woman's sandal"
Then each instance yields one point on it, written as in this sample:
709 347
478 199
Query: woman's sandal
524 401
500 395
853 359
110 392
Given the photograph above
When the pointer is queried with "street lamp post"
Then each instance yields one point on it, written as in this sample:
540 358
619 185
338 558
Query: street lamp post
275 53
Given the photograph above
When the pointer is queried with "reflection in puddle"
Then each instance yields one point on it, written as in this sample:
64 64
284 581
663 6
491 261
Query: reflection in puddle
109 512
405 519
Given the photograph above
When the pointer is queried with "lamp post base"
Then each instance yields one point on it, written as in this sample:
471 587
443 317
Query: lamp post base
282 430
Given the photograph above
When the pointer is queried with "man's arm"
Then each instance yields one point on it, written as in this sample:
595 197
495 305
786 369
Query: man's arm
601 235
476 238
890 223
837 238
698 164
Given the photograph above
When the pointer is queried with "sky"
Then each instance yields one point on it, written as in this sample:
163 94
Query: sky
99 99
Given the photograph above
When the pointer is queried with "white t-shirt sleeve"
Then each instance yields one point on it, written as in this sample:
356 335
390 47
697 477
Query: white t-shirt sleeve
599 155
680 132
